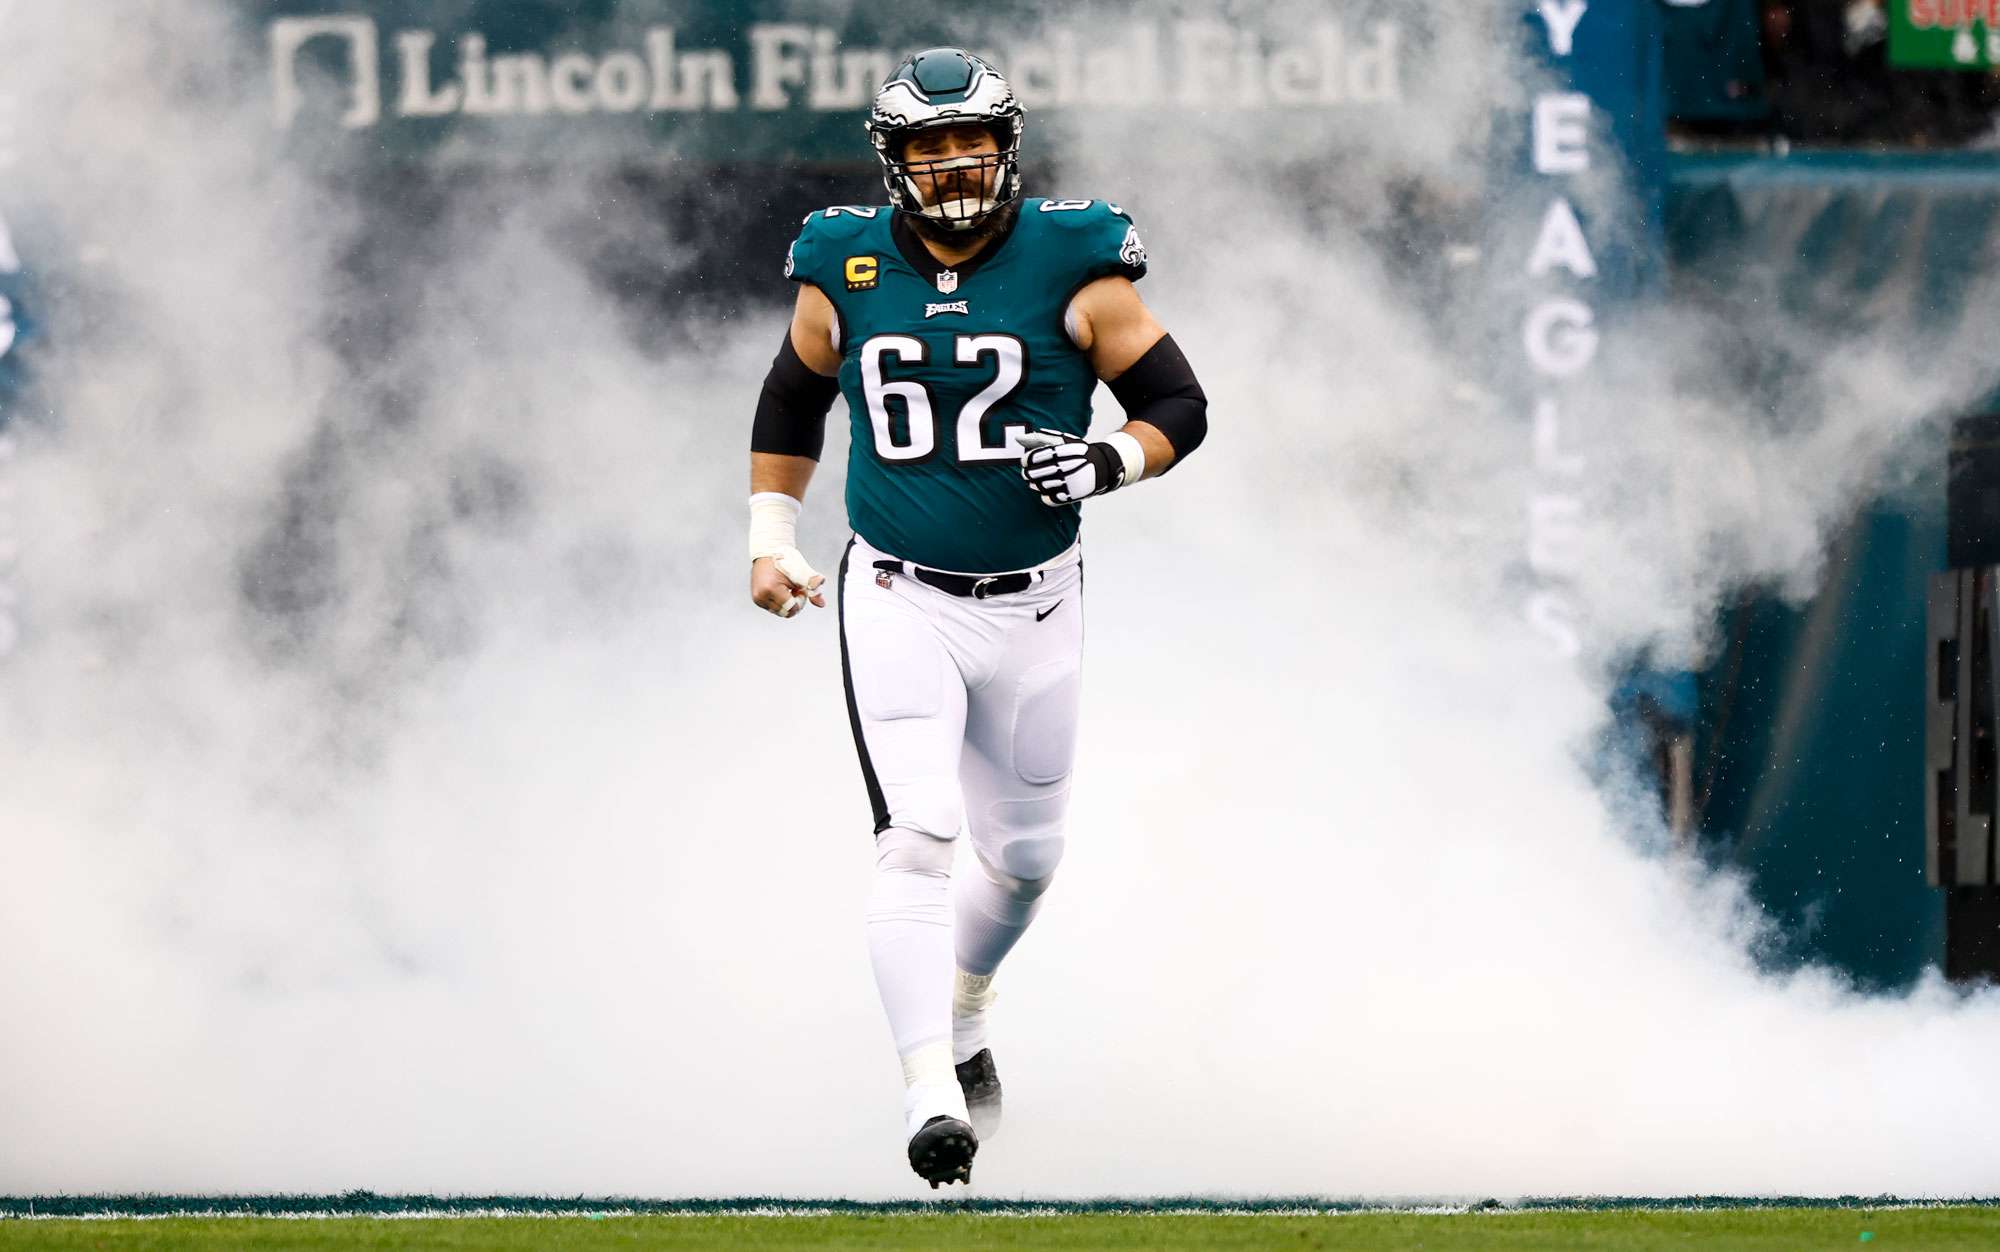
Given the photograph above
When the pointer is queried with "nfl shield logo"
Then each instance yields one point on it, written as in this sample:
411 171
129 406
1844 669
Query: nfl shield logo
884 579
947 281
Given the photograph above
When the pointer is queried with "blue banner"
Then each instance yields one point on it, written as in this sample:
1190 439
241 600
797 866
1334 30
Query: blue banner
1577 198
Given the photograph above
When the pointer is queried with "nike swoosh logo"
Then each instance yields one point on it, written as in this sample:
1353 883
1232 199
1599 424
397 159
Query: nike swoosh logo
1045 612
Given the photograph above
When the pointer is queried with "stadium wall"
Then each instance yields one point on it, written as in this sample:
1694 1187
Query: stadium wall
1812 730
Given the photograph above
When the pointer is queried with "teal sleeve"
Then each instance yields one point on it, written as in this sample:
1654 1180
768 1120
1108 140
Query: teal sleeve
1102 238
818 255
803 257
1120 247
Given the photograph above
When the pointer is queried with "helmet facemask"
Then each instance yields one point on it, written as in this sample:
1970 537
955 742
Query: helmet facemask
952 193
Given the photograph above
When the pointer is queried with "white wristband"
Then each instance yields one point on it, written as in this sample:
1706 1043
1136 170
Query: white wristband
1130 451
774 523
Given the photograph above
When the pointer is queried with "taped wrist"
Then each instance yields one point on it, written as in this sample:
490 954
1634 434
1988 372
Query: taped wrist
791 411
1126 455
1160 390
774 524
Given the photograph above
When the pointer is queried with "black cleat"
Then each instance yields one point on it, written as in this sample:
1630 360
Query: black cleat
981 1084
942 1151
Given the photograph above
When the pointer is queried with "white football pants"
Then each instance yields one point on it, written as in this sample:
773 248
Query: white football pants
964 714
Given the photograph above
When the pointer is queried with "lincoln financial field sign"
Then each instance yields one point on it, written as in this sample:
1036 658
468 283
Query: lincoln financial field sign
726 83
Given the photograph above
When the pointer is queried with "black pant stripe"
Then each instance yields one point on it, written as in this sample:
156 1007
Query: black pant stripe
875 798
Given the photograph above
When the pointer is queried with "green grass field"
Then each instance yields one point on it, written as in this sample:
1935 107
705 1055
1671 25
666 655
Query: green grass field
991 1224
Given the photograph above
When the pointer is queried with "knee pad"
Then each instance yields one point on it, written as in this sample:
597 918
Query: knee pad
1023 866
1019 890
913 852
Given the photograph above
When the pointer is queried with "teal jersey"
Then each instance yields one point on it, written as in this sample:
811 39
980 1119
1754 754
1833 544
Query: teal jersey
941 366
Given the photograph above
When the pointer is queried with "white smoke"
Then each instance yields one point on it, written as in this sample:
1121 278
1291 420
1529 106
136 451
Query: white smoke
401 793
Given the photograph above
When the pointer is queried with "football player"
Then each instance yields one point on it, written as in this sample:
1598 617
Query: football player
966 326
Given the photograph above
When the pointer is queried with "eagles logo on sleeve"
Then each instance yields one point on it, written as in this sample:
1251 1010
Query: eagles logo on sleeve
1132 252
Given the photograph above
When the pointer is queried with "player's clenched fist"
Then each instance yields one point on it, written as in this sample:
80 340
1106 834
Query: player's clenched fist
784 584
781 581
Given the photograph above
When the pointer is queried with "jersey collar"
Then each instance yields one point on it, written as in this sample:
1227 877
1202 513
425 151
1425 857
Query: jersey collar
911 245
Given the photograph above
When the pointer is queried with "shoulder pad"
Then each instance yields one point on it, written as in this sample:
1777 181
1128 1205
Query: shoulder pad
823 233
1103 233
1075 214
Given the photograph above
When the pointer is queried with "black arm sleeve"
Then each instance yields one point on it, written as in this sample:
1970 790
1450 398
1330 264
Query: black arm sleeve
1160 390
791 412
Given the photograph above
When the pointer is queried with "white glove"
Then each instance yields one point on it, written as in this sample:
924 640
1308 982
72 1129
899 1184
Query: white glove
1064 469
